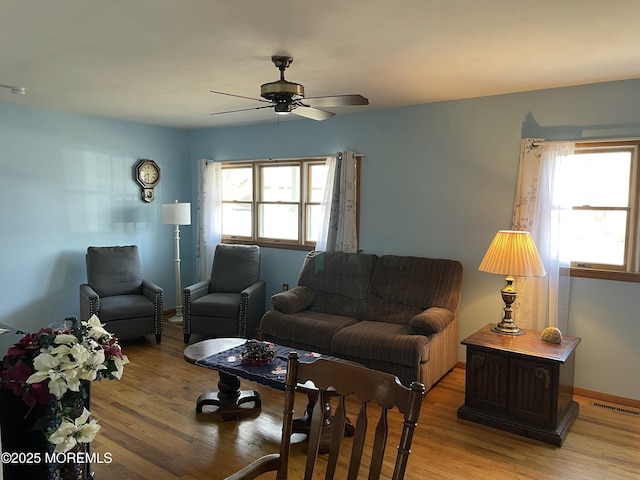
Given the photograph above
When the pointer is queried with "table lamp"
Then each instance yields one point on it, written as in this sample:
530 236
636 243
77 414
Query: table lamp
514 254
177 214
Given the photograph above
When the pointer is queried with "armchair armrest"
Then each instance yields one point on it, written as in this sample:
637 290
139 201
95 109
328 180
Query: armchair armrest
251 308
89 302
195 291
150 290
432 320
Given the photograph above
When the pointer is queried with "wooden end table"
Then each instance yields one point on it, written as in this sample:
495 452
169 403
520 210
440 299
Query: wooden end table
520 384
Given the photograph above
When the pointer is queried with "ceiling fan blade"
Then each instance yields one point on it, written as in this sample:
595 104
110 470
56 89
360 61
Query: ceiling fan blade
242 110
312 113
240 96
337 101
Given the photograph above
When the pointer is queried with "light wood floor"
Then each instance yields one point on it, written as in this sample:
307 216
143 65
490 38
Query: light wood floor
150 430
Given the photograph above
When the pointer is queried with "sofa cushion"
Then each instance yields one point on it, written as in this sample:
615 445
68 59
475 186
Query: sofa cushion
432 320
294 300
339 280
307 327
387 342
400 283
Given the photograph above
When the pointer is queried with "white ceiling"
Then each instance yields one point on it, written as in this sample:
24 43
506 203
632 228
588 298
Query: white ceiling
154 61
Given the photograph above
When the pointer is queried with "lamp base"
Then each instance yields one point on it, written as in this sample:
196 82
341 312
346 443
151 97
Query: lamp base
176 319
506 328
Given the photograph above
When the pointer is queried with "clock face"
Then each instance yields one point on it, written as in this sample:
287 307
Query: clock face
148 173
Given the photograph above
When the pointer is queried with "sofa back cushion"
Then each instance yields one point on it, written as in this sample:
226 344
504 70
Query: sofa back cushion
402 287
339 280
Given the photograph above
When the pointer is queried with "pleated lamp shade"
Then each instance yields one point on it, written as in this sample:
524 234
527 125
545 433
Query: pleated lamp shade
513 253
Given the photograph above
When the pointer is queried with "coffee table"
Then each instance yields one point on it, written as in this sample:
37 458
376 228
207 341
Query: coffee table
223 355
229 397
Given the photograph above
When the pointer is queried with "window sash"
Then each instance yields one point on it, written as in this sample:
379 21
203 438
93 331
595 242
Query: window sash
264 234
630 247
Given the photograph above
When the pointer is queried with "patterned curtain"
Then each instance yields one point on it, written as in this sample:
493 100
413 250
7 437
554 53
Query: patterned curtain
538 209
339 230
209 216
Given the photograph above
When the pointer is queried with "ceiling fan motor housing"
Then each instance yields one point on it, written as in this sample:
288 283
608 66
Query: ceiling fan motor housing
282 91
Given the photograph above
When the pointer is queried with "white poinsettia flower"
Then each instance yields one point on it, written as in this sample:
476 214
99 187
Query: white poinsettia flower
58 369
96 329
119 364
65 339
92 365
70 433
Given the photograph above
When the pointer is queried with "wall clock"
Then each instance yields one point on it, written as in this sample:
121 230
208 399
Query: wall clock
148 176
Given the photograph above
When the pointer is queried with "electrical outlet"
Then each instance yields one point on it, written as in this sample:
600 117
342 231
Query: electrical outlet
285 287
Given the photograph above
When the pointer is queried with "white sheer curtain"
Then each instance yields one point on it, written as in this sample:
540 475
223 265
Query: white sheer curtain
339 229
543 301
209 215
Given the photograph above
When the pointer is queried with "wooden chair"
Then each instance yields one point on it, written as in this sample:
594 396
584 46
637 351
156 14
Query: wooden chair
336 379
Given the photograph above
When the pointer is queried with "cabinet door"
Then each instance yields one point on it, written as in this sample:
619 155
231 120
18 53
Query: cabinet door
531 391
487 381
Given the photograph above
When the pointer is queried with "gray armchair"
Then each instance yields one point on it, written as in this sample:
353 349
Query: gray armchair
231 303
116 292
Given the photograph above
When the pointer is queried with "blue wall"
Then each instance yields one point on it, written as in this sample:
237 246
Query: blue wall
66 182
437 180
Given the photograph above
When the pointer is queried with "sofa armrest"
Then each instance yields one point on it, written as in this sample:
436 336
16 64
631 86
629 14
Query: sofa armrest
295 300
251 308
432 320
89 302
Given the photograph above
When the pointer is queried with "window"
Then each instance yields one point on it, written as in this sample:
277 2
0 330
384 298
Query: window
273 203
598 184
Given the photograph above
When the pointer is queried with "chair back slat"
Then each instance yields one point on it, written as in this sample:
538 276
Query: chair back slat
338 424
379 445
359 438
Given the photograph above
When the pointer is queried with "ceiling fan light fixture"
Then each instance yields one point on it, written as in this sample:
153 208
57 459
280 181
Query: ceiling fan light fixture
283 108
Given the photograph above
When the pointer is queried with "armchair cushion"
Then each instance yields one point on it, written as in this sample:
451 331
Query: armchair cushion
235 267
117 307
294 300
226 305
432 320
114 270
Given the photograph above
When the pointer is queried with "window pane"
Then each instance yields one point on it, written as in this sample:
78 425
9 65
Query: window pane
237 184
596 236
236 219
278 221
318 174
314 222
280 183
598 179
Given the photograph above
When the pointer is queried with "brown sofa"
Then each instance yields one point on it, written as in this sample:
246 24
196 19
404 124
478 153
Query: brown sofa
391 313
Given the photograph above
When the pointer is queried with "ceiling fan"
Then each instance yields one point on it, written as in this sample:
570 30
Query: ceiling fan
287 97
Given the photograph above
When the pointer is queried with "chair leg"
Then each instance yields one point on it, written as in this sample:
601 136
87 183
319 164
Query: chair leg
158 337
187 336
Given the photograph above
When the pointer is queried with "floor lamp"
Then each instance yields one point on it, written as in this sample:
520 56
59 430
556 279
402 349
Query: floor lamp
177 214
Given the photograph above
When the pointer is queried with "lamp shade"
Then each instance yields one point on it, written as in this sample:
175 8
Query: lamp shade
513 253
176 213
